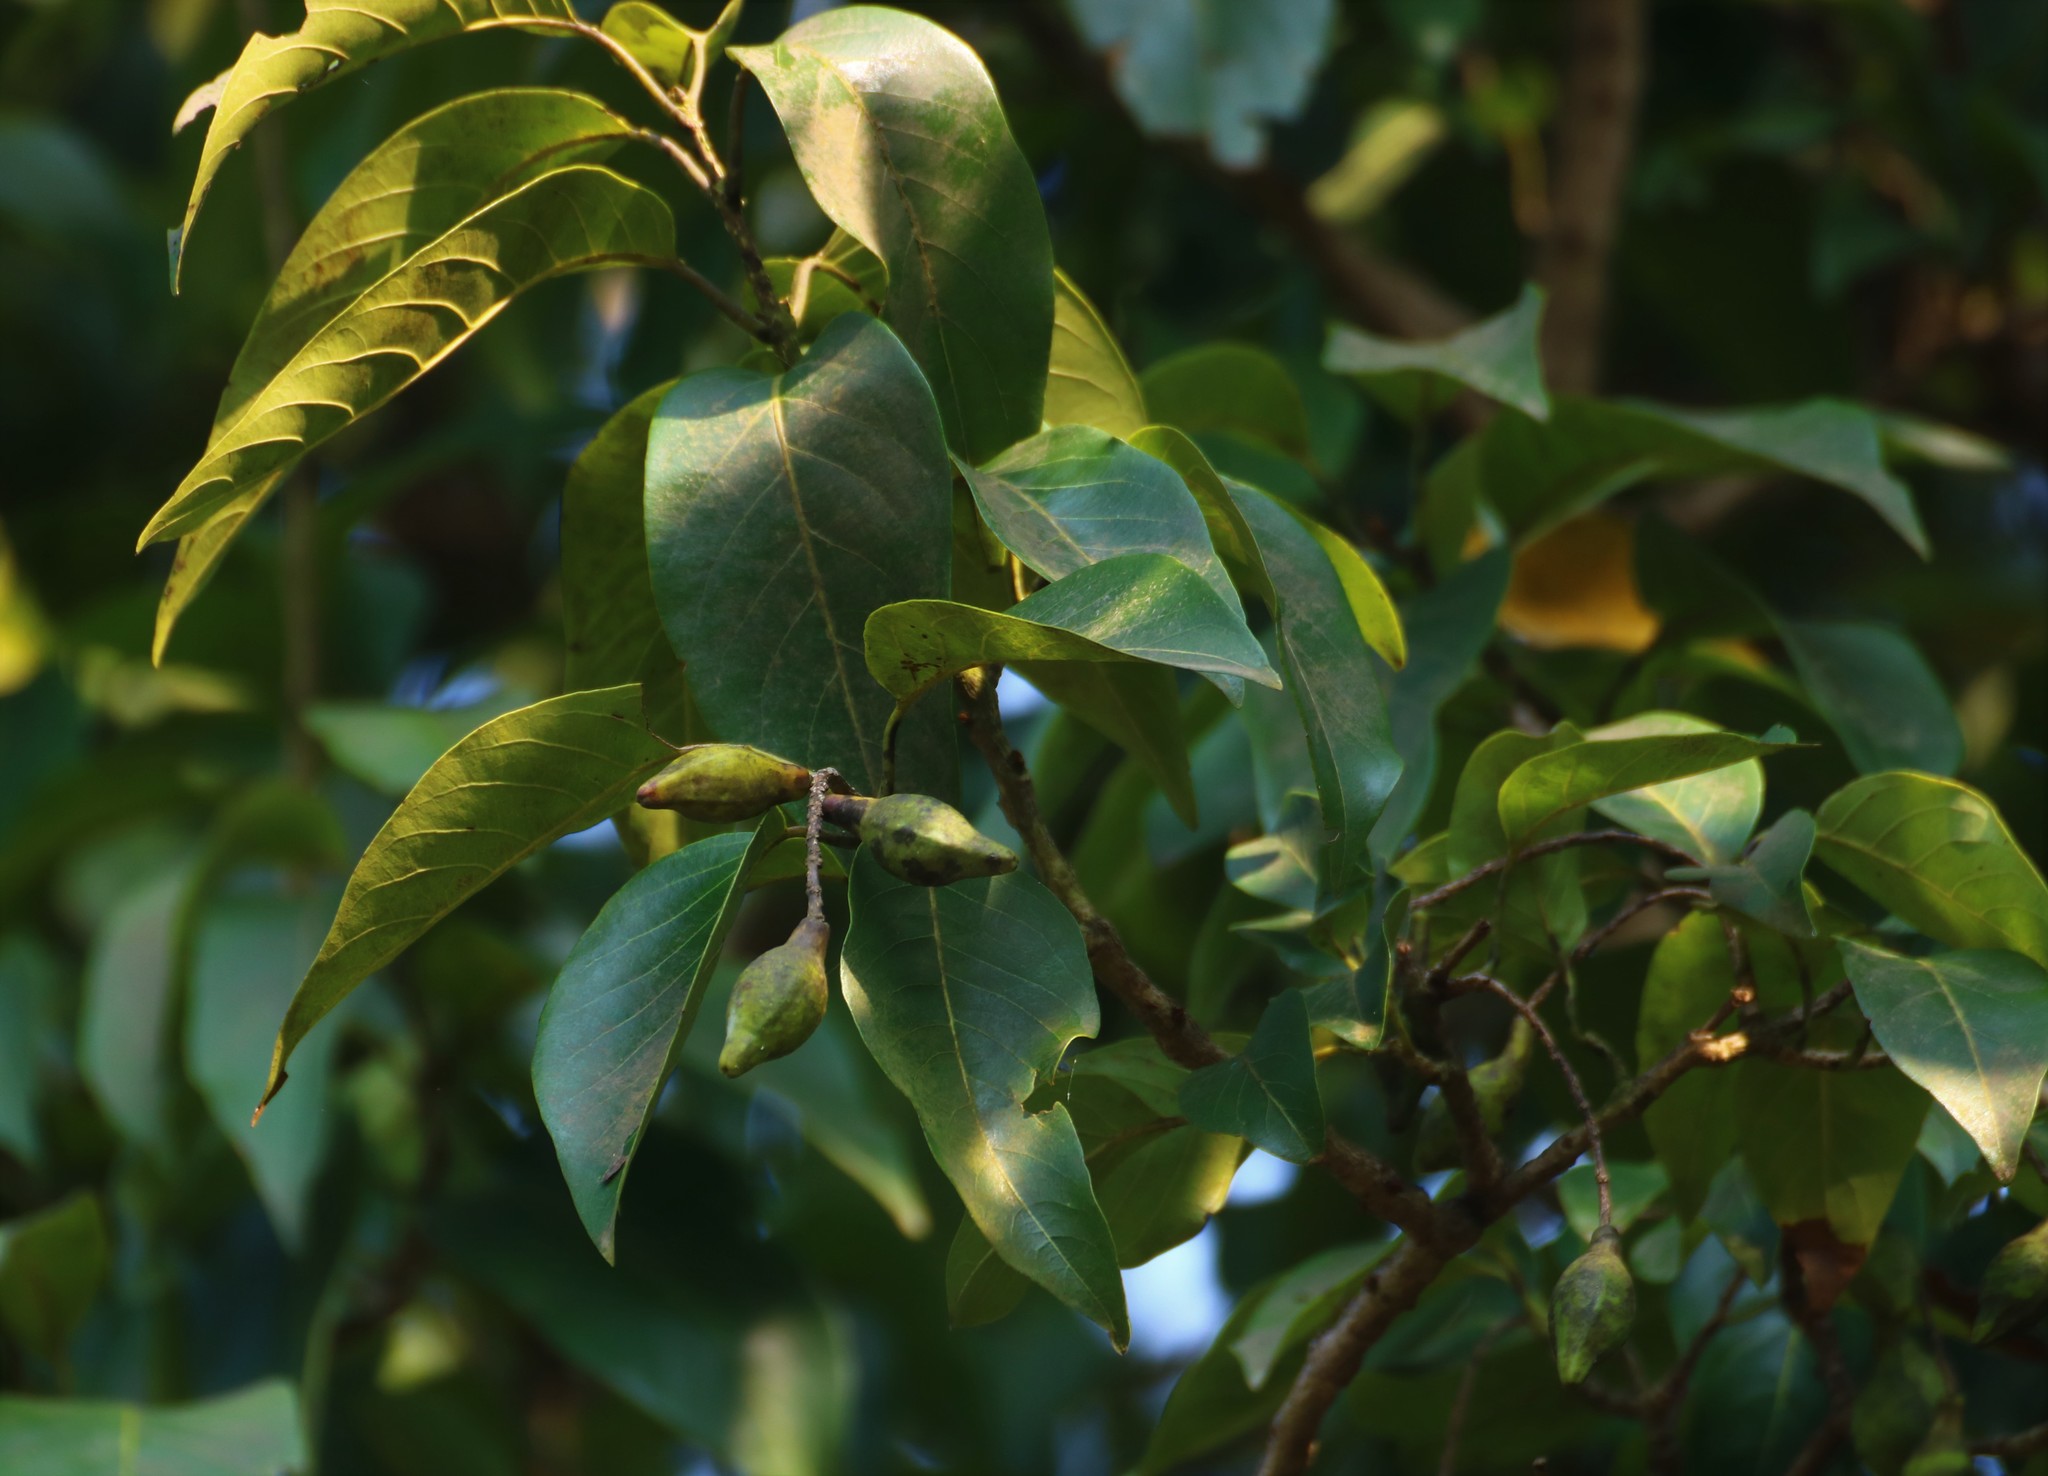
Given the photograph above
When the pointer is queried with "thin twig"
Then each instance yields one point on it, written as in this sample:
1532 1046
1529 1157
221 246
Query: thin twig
1572 1083
736 138
1499 864
2017 1446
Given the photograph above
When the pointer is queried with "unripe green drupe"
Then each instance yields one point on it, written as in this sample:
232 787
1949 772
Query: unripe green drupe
1593 1306
929 843
722 782
777 1001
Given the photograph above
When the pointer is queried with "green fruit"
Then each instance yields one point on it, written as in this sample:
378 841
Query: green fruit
1495 1085
723 782
2015 1286
929 843
1593 1306
777 1002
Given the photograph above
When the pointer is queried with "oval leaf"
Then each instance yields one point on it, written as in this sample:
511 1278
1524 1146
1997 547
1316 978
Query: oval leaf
1497 358
1707 815
1554 784
1266 1093
1879 695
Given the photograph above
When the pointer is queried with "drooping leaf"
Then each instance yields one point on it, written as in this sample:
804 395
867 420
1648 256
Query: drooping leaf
1337 688
781 513
252 1432
1216 70
1767 883
610 625
1089 381
1879 695
1497 358
568 220
1971 1027
1939 856
1552 785
51 1267
337 38
1231 388
1692 1125
623 1005
1371 606
1140 607
1266 1093
514 785
248 952
898 132
1159 1184
1707 815
966 995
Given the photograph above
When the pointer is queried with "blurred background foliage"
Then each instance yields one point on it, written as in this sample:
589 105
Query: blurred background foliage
1827 197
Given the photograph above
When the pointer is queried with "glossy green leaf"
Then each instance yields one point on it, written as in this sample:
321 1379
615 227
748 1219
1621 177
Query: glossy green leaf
568 220
1089 381
610 627
1217 70
1266 1093
1073 496
1337 687
1229 387
622 1006
252 1432
1371 606
1828 1145
966 995
781 513
1939 856
337 38
1879 695
1768 882
514 785
1971 1027
1229 534
52 1265
898 132
1140 607
1707 815
1497 358
248 952
657 40
1552 785
1692 1125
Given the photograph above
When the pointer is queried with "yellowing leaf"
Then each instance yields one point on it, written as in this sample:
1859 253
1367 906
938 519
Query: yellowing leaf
1576 586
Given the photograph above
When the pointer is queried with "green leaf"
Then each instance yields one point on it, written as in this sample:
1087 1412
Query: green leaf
1218 70
610 627
1769 882
389 748
622 1006
569 220
337 38
816 286
128 1011
1266 1093
51 1267
1879 695
252 1432
1708 815
1635 1187
1337 688
980 1286
1692 1125
248 952
1497 358
1937 854
657 40
1229 387
1538 905
1828 1145
1971 1027
897 130
516 784
1552 785
1371 606
1212 1402
1298 1304
1073 496
782 512
1229 534
1159 1184
1089 381
1140 607
933 978
1136 707
29 984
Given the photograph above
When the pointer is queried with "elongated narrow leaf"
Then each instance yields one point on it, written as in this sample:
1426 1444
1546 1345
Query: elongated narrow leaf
610 625
622 1007
199 555
1337 686
1939 856
966 995
52 1265
568 220
514 785
1266 1093
1073 496
1498 358
781 512
1768 883
1141 607
1089 381
252 1432
1554 784
897 130
1879 695
1971 1027
338 37
1707 815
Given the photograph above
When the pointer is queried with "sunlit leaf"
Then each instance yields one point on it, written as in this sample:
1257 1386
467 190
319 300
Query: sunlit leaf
1708 815
1089 381
252 1432
1552 785
1768 882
